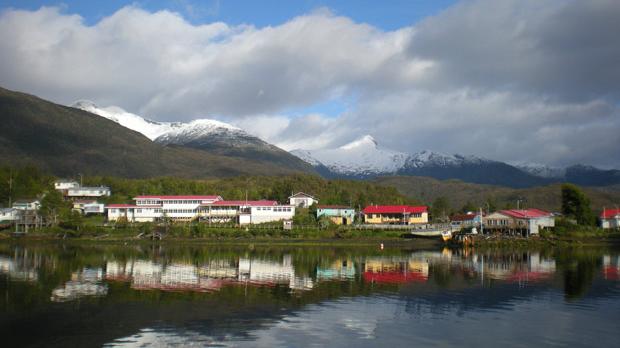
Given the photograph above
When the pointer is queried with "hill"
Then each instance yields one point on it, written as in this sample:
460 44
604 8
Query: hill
460 193
65 141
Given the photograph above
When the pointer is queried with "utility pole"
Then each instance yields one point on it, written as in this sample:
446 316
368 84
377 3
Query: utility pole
81 179
10 187
481 224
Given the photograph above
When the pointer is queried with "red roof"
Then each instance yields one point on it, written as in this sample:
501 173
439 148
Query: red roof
609 213
394 209
131 206
463 217
260 203
211 197
333 207
525 213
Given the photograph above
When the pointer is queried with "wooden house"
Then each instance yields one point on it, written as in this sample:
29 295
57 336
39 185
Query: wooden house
395 214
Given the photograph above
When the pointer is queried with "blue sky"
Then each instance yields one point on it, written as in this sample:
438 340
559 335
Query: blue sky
511 80
388 15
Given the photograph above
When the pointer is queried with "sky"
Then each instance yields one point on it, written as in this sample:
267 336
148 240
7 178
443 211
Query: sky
512 80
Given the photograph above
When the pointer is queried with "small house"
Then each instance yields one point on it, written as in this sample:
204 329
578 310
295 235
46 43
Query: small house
338 214
518 221
610 218
8 214
302 200
27 204
65 184
395 214
88 192
465 220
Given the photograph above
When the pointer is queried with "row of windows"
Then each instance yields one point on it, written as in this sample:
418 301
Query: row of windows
276 209
375 216
179 211
174 201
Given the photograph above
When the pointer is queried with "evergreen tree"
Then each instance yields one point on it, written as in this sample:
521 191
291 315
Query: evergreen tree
576 205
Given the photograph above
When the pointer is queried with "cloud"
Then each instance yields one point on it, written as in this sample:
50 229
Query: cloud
514 80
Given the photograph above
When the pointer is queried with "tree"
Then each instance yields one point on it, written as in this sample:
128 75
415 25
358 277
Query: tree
469 206
576 205
440 209
52 205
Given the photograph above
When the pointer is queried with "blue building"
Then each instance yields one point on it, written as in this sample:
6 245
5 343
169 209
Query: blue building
340 215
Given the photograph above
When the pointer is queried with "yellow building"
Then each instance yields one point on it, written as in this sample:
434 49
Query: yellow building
395 214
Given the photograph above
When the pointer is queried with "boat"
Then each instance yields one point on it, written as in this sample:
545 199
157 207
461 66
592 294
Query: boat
446 235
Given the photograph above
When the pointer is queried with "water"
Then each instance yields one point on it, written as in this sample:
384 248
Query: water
65 295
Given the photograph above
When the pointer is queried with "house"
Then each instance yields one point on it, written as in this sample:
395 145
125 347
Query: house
153 208
8 214
27 204
395 214
245 212
518 221
610 218
465 220
83 192
65 184
302 200
339 214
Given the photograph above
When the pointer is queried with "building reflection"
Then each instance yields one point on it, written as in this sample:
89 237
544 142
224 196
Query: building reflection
84 283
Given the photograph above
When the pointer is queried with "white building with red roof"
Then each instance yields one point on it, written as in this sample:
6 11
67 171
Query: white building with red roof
246 212
519 221
395 214
156 207
610 218
212 209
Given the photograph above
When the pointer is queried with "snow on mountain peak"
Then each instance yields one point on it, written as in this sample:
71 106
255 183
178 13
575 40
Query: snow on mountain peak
153 129
366 141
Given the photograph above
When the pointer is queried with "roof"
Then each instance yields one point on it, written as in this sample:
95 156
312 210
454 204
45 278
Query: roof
394 209
90 188
463 217
260 203
85 201
609 213
131 206
525 213
302 194
208 197
121 206
333 207
20 201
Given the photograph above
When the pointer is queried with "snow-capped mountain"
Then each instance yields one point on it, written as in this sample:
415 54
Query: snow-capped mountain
361 157
205 134
365 158
153 129
541 170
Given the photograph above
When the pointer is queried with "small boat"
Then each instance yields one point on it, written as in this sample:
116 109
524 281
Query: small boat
446 235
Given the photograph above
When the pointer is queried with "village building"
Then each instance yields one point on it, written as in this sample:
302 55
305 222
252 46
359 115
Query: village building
65 184
518 221
302 200
27 204
153 208
610 218
84 192
338 214
8 214
465 220
395 214
88 206
211 209
245 212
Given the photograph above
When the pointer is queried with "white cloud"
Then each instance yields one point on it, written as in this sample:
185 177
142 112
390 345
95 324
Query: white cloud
516 80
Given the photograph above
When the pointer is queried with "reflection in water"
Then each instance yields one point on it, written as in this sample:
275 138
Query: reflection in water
166 295
86 282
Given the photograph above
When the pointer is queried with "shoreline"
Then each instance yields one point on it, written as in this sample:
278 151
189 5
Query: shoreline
479 241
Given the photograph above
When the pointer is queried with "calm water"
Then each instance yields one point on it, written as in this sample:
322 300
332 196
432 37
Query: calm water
91 295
